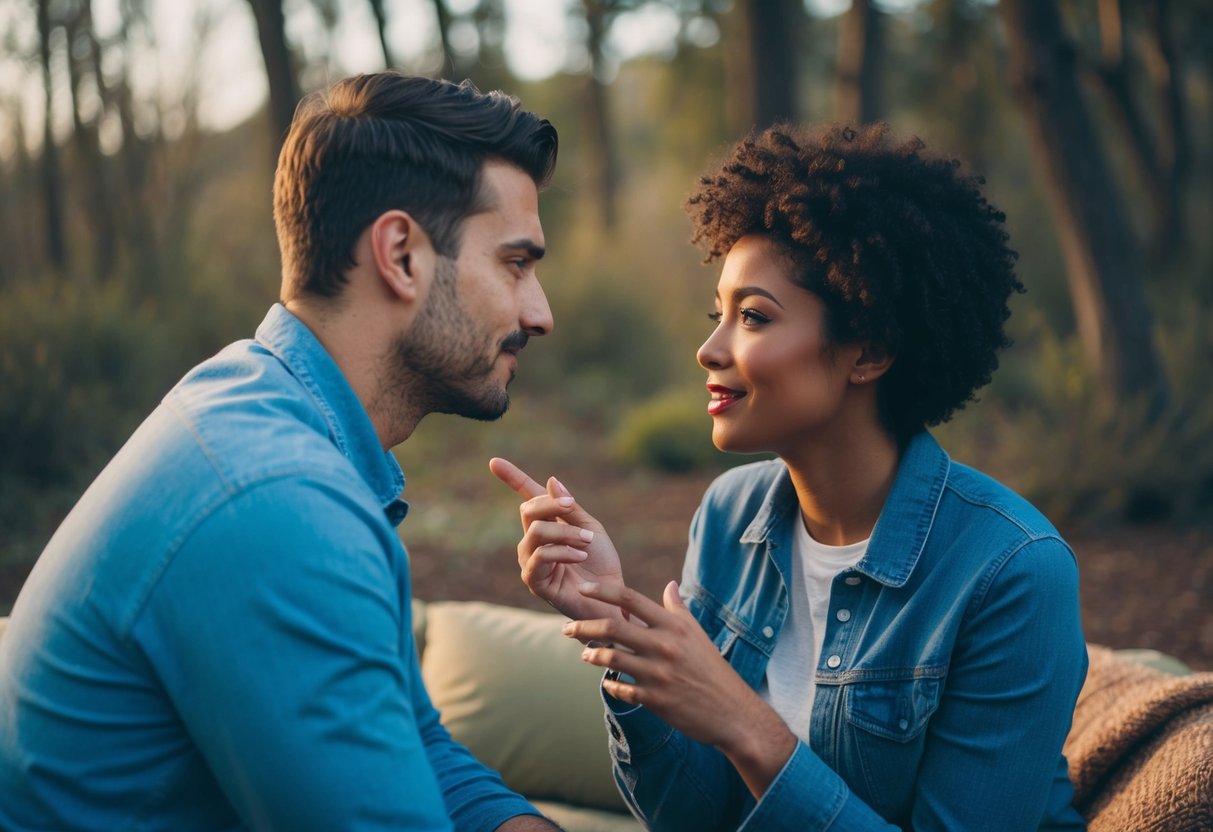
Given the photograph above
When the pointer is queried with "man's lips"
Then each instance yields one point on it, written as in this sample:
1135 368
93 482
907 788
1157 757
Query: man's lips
722 398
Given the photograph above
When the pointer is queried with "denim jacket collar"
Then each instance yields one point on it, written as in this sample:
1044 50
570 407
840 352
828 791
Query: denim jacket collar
349 426
904 523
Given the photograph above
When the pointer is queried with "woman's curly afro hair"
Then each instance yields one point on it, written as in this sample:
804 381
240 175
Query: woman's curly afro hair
902 248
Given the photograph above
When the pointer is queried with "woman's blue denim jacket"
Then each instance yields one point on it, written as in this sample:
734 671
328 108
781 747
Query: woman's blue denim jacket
952 660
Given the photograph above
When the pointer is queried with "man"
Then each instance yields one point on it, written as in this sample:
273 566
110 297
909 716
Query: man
219 634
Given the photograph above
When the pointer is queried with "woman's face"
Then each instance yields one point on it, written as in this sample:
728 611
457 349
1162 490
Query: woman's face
775 384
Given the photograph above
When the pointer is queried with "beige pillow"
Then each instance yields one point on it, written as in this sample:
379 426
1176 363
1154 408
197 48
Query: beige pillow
513 689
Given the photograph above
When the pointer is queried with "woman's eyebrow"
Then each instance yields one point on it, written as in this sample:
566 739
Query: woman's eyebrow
746 291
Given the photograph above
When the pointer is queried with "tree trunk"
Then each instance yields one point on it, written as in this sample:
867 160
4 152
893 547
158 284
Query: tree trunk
1102 261
52 173
381 25
1174 158
770 71
598 121
1114 77
82 42
279 65
444 37
857 98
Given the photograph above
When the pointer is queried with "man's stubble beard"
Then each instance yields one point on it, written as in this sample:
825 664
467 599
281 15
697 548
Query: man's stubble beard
444 363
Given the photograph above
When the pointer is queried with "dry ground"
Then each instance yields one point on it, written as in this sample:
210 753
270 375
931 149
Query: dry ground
1141 586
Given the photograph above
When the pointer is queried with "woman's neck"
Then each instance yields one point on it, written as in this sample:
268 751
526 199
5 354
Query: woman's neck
842 483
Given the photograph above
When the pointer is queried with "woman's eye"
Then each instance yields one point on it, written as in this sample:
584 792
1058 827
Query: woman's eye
753 316
715 316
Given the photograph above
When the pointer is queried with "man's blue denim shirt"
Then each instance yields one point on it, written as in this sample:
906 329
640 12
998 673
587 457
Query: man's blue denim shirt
951 663
219 635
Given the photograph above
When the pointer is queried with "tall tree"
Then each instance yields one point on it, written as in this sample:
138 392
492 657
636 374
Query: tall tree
443 17
857 86
84 61
598 120
1103 264
377 9
767 69
51 169
279 64
1115 76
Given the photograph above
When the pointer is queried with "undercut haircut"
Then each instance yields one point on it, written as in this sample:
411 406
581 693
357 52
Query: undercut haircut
386 141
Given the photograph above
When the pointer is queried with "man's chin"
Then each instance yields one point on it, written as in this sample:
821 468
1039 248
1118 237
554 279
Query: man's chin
481 411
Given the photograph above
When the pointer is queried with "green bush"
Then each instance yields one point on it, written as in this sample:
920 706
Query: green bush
669 433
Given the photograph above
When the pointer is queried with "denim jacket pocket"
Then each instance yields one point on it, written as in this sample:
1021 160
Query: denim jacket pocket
713 618
886 734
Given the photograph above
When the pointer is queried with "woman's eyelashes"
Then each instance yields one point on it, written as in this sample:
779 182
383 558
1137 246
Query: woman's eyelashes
749 316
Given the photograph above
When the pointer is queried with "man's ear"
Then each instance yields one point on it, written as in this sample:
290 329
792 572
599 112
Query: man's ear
872 362
403 254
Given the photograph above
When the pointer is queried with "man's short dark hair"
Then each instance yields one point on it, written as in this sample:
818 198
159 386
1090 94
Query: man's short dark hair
900 245
375 143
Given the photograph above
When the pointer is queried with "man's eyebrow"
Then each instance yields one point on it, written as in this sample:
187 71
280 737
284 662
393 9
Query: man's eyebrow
746 291
533 249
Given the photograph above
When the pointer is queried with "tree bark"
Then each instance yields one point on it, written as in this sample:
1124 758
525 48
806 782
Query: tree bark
1103 264
598 121
1113 74
51 169
857 98
83 48
772 34
443 17
381 24
279 65
1174 157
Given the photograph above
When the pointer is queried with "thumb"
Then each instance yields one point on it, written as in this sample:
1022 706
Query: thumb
672 600
578 516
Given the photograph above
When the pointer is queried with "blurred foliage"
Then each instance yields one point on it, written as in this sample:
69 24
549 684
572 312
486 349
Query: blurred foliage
615 387
670 432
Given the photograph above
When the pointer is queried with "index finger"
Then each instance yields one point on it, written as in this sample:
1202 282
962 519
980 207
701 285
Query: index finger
515 478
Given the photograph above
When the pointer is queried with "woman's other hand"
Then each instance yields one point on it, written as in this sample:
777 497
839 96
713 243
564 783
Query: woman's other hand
562 546
678 673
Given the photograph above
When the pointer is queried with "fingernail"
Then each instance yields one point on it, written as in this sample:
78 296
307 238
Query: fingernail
567 628
588 586
560 487
587 535
579 554
565 501
585 655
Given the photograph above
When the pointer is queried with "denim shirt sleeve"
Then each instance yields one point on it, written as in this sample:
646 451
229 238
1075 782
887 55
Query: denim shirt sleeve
993 745
279 642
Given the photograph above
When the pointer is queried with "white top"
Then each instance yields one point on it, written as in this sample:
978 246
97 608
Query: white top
789 687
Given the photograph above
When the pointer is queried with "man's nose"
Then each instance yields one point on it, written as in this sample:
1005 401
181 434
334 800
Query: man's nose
536 315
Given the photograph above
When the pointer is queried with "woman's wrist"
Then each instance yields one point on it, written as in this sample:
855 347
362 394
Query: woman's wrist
759 746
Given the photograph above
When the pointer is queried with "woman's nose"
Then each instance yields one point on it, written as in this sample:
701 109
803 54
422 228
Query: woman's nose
713 353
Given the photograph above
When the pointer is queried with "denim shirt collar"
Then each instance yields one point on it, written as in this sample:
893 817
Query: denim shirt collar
905 521
350 428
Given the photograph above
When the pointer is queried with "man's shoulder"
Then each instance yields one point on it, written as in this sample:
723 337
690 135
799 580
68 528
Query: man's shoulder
251 418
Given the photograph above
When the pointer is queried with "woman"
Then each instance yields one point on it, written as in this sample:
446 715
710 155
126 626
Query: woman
868 635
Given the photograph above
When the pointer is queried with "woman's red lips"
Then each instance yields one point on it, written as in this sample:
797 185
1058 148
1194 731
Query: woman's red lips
722 398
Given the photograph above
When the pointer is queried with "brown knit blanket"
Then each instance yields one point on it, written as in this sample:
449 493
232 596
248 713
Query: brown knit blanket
1141 747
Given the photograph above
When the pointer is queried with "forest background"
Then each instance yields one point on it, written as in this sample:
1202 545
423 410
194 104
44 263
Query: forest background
136 239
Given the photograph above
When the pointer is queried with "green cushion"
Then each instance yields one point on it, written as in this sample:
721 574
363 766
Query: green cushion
513 689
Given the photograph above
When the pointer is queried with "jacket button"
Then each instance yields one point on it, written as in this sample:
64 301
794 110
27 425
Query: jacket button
854 580
767 632
843 615
834 661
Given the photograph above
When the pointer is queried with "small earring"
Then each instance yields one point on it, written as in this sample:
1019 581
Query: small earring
860 379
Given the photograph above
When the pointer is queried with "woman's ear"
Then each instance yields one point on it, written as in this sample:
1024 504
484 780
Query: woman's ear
403 254
872 362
